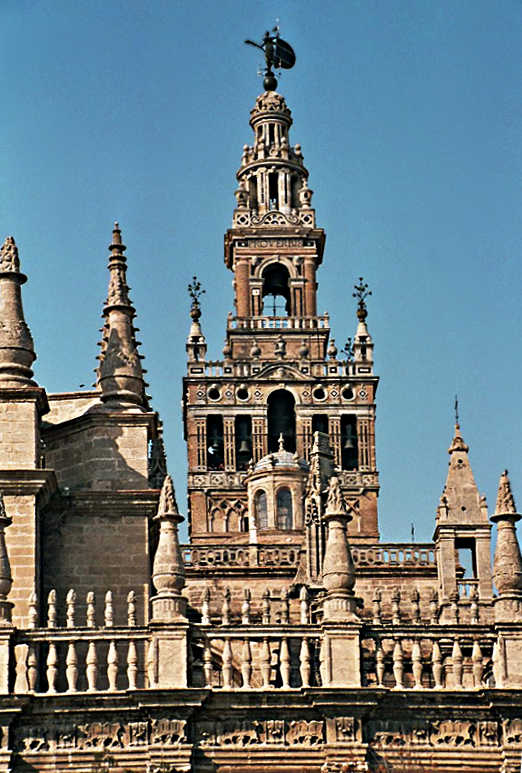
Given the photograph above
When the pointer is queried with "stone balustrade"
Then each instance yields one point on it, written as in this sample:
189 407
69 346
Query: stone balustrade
430 660
288 323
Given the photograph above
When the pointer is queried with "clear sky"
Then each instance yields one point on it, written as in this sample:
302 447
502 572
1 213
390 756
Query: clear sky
408 112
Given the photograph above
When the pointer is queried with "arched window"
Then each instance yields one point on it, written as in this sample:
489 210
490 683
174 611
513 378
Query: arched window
261 510
284 509
276 290
281 420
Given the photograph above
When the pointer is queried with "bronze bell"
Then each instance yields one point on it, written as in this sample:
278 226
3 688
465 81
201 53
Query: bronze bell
244 447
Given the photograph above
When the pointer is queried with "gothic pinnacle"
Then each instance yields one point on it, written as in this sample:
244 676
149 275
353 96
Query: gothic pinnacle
462 501
16 343
119 374
338 568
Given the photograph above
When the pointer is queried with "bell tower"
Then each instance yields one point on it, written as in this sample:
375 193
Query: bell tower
250 417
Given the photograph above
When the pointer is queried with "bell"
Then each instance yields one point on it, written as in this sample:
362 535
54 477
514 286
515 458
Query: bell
348 441
244 447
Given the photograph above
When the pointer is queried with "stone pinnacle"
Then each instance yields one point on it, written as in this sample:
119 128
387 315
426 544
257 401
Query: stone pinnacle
119 374
16 343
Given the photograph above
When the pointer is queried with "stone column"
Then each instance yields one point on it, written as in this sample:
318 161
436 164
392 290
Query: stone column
6 582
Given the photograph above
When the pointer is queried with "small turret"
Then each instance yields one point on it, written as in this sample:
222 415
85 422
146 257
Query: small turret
120 374
462 533
507 567
16 343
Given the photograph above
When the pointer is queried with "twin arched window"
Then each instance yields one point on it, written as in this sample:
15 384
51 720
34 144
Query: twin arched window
284 510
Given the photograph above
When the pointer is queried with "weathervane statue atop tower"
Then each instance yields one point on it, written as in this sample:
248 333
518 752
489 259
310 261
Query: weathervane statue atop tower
278 53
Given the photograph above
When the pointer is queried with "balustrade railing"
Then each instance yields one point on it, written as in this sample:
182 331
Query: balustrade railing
66 653
275 322
431 660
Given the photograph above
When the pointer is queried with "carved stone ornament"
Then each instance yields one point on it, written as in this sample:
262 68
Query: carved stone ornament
9 260
266 732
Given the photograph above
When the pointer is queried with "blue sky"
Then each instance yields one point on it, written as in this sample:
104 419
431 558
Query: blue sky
409 118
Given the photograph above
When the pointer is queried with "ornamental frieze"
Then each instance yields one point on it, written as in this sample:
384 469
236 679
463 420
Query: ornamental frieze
241 733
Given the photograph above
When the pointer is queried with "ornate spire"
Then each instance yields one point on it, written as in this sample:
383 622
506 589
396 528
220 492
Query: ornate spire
16 343
338 569
196 345
507 565
157 460
461 502
168 571
119 374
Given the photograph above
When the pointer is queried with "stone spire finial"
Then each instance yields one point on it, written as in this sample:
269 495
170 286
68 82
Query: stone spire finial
16 343
6 579
507 565
461 501
119 373
505 499
338 569
168 571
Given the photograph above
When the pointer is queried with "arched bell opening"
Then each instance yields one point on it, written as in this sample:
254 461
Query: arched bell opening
215 443
243 436
349 453
276 291
281 420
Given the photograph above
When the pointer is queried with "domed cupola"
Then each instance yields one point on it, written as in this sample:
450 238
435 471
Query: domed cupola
275 487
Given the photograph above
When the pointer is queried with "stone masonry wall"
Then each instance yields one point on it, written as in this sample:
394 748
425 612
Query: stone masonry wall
89 552
99 456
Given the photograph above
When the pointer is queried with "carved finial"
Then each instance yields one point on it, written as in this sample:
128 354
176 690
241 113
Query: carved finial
16 343
505 500
120 374
458 443
280 443
9 260
167 502
335 504
361 293
195 292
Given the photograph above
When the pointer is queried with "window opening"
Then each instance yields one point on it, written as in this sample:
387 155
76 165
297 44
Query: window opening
215 444
276 290
261 510
281 420
243 427
320 423
273 196
284 509
349 453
